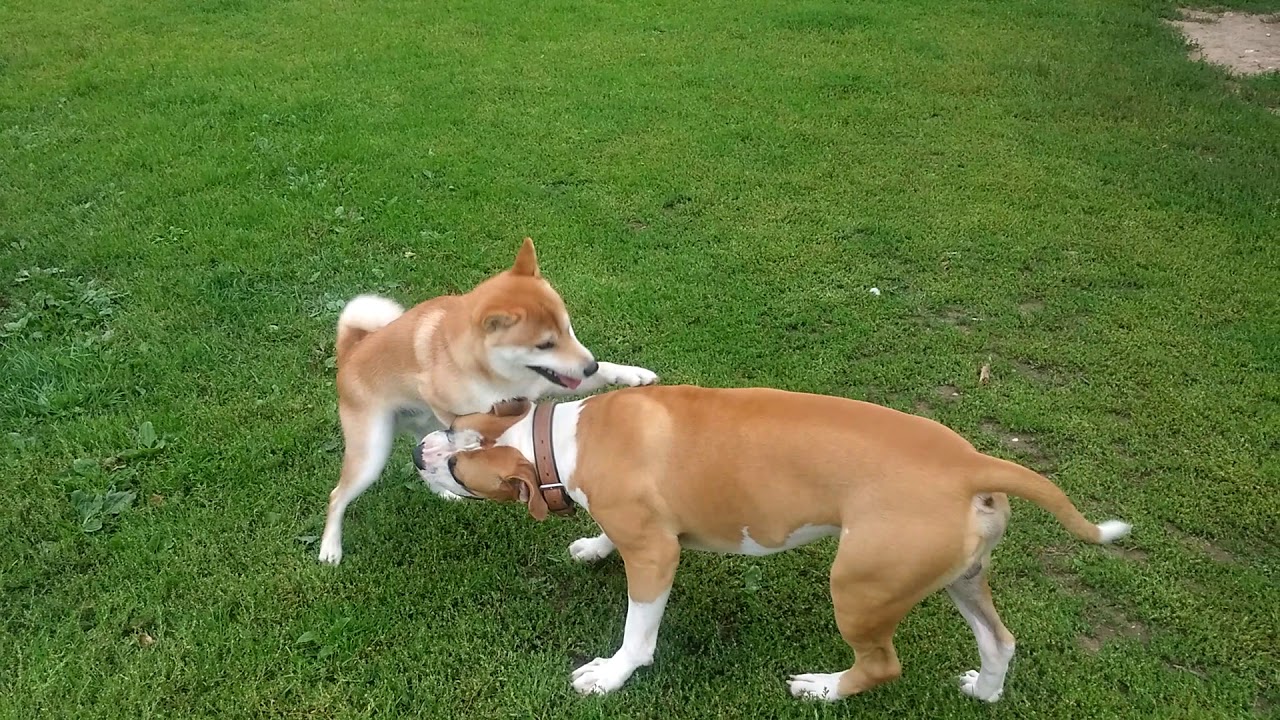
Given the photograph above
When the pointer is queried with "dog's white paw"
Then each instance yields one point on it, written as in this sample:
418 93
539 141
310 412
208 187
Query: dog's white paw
602 675
631 376
969 686
330 552
816 686
591 549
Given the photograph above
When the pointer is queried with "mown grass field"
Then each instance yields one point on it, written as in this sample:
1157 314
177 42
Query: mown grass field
190 190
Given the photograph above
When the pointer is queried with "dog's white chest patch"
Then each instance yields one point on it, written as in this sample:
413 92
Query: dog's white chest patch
802 535
565 434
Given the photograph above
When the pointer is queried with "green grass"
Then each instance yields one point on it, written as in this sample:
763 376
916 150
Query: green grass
1048 186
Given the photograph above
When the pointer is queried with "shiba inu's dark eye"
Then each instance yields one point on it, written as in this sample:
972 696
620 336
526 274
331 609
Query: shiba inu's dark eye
546 345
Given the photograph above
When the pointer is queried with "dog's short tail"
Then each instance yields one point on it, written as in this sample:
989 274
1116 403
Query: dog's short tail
363 315
991 474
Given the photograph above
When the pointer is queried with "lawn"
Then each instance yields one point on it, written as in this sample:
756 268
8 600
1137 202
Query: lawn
190 190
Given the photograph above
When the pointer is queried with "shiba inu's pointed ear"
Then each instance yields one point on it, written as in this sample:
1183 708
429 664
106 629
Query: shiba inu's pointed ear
495 320
526 260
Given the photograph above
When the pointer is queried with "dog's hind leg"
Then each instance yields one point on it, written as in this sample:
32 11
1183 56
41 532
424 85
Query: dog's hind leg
367 435
872 588
972 595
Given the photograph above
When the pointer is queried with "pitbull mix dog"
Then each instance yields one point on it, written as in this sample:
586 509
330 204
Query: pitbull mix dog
758 471
508 338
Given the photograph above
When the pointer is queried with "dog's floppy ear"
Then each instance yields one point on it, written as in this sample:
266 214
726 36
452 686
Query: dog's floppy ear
524 481
526 260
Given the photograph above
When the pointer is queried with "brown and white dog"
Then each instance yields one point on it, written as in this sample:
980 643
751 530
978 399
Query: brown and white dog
508 338
758 471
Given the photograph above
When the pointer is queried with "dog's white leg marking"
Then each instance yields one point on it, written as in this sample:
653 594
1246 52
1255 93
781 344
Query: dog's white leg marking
591 549
368 455
995 644
604 675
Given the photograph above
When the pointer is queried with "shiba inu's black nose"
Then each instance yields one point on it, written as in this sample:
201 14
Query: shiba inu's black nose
591 369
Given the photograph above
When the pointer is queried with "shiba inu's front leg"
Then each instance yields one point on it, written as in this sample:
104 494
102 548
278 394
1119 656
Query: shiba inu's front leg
629 375
609 374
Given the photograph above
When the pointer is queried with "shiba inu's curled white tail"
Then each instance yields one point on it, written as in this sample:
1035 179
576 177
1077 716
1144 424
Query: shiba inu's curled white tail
995 475
363 315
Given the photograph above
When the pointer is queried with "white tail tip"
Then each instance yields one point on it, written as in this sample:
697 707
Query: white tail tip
369 313
1112 530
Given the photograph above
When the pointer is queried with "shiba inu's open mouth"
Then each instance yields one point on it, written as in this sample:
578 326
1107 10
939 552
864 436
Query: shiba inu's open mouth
555 377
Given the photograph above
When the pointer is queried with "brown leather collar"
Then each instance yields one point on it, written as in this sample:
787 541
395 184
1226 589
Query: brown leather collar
550 485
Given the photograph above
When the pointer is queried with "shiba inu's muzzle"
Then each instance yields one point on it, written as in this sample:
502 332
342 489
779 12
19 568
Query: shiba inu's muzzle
565 380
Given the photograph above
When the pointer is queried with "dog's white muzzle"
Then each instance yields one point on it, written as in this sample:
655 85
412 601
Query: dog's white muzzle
432 459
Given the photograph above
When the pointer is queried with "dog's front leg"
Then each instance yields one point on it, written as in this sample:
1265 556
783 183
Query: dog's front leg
651 565
609 374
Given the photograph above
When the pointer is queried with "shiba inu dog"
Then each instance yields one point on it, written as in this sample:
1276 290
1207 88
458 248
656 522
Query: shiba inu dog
509 338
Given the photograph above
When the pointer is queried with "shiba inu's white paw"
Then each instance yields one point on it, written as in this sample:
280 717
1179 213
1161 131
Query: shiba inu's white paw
628 375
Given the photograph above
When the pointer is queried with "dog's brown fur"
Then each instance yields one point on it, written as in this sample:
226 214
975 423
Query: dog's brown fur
916 507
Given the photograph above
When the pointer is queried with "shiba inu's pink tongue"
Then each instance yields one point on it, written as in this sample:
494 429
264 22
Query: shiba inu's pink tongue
569 382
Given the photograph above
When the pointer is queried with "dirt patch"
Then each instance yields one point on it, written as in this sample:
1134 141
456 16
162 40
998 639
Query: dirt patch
1030 307
950 393
1022 444
1106 622
676 202
637 225
1248 44
1035 373
1200 544
923 408
1130 554
957 318
1090 644
1124 452
950 316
